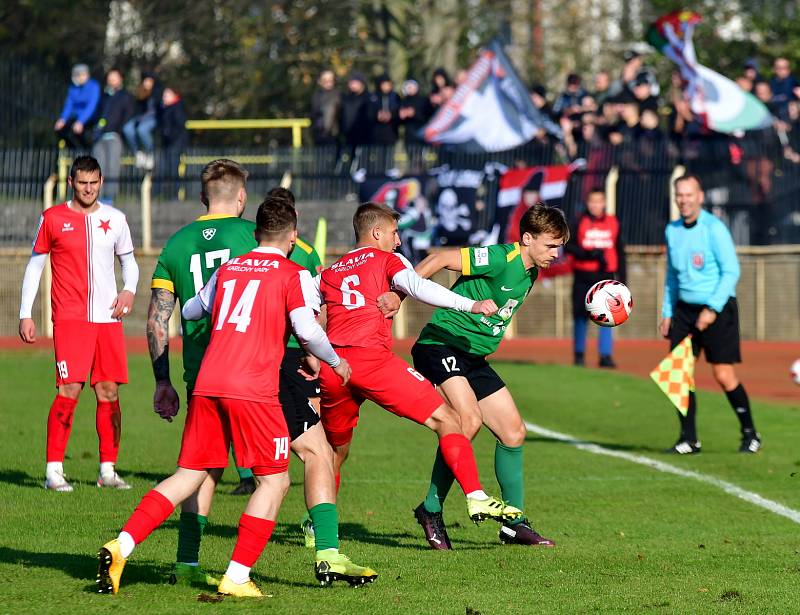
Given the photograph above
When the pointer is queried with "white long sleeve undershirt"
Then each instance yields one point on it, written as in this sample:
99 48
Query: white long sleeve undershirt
130 272
30 283
311 336
430 292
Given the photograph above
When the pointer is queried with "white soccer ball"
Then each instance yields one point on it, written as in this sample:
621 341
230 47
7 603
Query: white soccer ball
796 372
609 303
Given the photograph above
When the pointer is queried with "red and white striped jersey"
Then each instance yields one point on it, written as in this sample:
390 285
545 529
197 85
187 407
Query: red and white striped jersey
82 250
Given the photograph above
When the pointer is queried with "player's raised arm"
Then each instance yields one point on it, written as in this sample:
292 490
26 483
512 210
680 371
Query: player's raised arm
203 302
442 259
30 286
165 398
427 291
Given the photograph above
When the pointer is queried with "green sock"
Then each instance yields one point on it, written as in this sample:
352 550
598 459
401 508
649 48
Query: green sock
441 480
325 518
243 473
190 532
508 469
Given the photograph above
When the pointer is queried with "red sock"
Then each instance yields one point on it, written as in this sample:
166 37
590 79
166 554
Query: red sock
338 478
458 454
59 424
108 421
151 512
254 534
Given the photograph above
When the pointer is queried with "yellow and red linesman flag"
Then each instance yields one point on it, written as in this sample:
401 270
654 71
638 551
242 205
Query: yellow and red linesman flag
675 375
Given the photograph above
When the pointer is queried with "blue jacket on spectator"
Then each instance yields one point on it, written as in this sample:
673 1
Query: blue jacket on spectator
782 93
81 102
702 267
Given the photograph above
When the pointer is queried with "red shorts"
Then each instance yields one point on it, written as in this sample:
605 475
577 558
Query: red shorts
83 347
258 431
380 376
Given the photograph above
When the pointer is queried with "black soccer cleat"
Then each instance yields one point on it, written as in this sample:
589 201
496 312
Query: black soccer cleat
684 447
578 360
246 486
523 534
751 442
434 528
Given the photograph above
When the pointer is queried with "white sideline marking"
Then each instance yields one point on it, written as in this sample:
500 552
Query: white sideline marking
730 488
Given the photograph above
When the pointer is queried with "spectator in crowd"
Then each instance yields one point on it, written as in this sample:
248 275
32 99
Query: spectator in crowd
569 101
749 75
139 129
413 112
539 100
79 108
602 83
785 87
355 121
441 90
174 140
642 92
116 108
385 107
597 253
325 105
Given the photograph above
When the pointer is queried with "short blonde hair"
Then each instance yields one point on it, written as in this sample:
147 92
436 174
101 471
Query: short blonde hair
369 215
222 179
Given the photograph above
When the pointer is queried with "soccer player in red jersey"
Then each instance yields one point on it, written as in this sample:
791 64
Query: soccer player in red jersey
360 333
253 299
82 237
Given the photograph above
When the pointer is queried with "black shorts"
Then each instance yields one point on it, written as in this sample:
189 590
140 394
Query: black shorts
440 363
297 410
720 341
290 363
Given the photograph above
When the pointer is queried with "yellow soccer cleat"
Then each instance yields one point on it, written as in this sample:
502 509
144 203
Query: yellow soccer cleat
109 568
491 508
333 566
248 589
309 537
191 575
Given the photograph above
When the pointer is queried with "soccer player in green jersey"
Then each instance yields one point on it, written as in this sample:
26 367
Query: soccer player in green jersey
186 263
451 352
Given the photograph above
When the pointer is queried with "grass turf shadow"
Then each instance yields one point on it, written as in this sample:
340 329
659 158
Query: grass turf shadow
82 566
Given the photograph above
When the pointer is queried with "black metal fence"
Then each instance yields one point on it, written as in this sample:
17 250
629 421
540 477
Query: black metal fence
751 183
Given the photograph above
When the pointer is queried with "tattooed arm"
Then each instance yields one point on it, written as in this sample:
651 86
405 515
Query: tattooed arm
165 399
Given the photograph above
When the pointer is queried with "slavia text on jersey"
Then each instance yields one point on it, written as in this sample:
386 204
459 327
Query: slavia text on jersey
353 261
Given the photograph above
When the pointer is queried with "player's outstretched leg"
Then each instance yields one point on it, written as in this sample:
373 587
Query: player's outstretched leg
192 524
154 508
458 454
429 513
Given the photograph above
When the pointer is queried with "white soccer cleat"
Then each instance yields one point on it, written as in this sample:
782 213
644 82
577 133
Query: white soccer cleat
113 481
56 481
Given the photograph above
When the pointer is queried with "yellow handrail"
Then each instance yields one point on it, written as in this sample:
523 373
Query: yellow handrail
295 124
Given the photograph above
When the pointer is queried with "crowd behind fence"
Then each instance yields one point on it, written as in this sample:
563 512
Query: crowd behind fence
753 188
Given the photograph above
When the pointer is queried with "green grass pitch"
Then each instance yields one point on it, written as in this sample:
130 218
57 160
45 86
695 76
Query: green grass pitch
630 539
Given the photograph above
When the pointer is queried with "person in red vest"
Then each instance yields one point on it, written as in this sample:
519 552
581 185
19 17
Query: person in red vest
597 253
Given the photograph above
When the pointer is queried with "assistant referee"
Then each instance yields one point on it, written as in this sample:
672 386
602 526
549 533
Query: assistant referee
700 299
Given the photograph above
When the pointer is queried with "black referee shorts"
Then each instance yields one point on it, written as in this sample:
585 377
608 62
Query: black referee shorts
439 363
293 394
720 341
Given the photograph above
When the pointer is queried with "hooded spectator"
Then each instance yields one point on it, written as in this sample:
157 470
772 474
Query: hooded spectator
441 90
325 105
385 109
413 112
355 121
79 108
